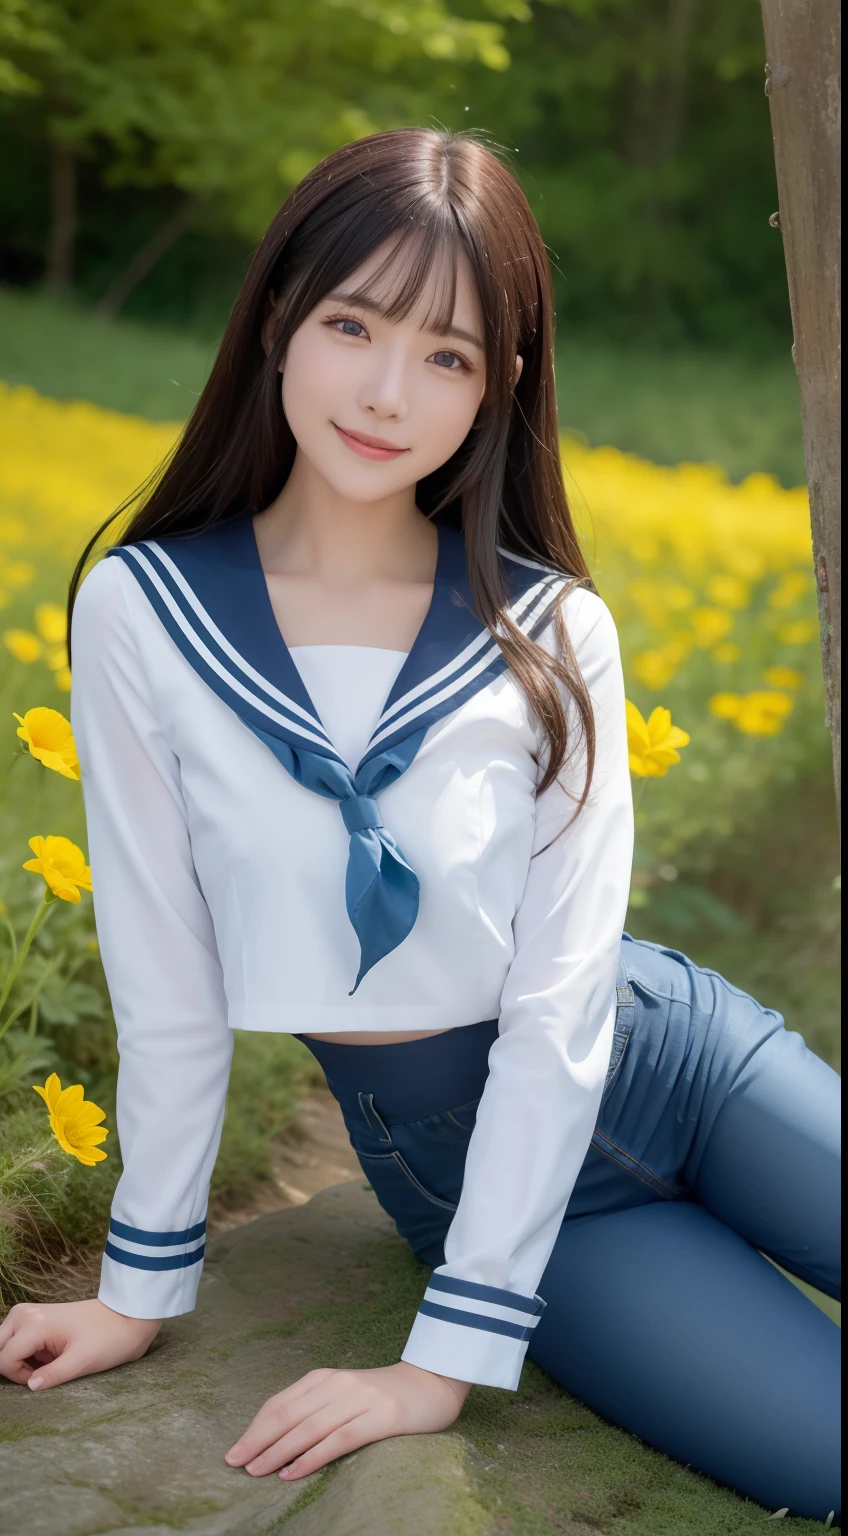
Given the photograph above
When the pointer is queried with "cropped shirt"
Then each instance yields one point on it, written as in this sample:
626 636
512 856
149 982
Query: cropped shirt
251 872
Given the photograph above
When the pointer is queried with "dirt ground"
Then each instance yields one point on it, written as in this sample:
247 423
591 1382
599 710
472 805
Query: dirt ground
310 1156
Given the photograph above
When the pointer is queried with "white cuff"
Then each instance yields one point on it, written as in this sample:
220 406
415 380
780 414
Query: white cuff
472 1332
151 1274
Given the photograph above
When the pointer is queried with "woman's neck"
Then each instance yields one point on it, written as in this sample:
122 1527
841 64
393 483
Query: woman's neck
343 572
311 531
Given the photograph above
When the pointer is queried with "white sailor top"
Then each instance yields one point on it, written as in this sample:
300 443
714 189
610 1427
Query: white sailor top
248 876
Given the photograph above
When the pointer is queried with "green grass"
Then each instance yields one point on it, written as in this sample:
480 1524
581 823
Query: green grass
740 411
72 354
541 1461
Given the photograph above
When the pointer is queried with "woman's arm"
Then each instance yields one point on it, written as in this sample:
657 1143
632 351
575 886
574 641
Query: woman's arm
162 968
547 1067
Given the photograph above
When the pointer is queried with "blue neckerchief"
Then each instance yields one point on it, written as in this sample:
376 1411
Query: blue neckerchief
210 592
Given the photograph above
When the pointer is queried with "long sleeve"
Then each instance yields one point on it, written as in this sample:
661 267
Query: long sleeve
548 1065
161 962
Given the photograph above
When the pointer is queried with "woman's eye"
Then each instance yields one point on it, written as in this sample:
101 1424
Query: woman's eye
359 328
452 357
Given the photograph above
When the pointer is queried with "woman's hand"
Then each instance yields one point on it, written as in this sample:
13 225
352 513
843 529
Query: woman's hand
45 1345
328 1413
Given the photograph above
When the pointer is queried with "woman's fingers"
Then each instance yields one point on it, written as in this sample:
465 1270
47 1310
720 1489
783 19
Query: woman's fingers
20 1347
278 1415
349 1437
303 1435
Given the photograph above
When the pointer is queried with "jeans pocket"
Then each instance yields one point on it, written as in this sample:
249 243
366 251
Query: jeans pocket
421 1216
383 1168
625 1015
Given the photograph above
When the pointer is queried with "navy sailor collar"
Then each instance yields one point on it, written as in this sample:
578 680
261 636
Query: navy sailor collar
210 592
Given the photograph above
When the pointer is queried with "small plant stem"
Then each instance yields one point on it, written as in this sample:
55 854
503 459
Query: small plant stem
47 901
640 794
32 1000
31 1157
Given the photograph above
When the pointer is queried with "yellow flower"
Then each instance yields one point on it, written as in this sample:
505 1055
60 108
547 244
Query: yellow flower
51 621
783 677
759 713
725 706
727 653
762 713
654 668
798 632
50 738
63 679
710 625
23 644
793 584
728 591
17 573
652 743
74 1120
62 864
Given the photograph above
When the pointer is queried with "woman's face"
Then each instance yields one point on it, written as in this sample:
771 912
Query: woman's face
353 379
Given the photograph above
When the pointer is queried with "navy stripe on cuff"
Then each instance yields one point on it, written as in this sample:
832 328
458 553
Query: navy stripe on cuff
474 1320
146 1261
156 1239
530 1305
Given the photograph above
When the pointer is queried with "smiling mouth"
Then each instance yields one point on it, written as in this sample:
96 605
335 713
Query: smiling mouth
369 447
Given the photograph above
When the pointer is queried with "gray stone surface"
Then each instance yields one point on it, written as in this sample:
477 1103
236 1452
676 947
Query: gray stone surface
140 1449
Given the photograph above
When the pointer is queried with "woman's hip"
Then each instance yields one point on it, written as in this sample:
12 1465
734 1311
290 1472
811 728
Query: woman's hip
683 1034
683 1044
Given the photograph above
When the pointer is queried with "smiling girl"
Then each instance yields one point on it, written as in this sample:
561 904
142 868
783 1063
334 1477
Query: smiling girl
349 710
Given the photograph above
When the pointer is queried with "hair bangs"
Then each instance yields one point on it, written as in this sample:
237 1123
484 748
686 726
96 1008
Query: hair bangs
423 251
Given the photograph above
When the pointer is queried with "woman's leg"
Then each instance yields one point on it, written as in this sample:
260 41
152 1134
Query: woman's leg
770 1166
670 1324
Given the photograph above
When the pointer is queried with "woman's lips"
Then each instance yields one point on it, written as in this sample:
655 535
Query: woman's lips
368 450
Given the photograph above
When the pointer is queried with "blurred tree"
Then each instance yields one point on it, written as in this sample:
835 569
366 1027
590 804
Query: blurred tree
639 126
228 101
644 139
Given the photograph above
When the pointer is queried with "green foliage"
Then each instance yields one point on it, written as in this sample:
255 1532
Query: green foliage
236 100
49 1203
645 133
639 127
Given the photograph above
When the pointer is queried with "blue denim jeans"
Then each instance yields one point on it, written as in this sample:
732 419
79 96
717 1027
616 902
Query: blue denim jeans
717 1142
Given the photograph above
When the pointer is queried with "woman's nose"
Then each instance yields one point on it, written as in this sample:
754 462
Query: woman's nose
384 389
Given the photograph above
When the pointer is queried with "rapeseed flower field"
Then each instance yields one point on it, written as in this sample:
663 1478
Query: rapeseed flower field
712 588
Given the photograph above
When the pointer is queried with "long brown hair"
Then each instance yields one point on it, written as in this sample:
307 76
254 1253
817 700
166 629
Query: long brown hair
448 194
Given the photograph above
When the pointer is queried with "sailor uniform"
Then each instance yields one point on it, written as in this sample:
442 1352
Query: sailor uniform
250 874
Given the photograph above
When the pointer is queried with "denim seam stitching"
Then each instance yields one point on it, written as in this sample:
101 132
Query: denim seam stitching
621 1056
395 1157
672 1188
632 1171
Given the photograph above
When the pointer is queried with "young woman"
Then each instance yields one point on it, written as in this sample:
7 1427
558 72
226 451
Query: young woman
350 713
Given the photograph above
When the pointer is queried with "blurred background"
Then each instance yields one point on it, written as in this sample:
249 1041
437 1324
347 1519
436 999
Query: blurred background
145 146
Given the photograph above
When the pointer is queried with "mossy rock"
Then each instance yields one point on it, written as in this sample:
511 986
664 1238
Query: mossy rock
140 1449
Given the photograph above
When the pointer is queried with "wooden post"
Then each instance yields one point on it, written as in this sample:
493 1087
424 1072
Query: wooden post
61 245
803 86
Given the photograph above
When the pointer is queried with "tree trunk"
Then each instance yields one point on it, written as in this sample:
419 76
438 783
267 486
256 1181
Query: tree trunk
61 247
803 87
145 259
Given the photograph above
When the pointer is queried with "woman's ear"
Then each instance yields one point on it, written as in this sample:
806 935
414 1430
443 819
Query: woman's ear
516 374
268 327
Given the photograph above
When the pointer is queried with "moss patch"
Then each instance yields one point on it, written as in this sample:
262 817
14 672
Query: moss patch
540 1461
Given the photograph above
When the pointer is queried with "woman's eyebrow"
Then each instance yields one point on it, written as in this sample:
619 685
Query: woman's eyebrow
377 309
